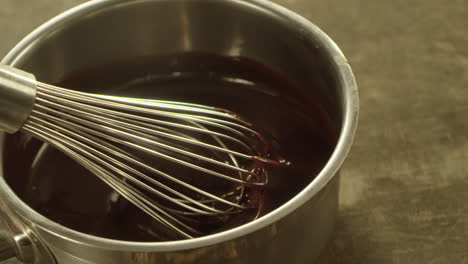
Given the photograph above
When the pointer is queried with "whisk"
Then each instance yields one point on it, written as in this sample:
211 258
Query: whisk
178 162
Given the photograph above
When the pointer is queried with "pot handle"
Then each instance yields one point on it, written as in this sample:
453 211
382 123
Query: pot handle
18 240
14 242
7 248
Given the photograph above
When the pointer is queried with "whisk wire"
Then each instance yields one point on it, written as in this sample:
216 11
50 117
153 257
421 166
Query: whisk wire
148 206
89 128
79 138
183 164
129 126
77 97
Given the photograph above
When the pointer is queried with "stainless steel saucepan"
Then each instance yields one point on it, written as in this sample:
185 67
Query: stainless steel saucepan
102 31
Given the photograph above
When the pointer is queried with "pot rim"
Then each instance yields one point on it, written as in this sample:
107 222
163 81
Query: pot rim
351 109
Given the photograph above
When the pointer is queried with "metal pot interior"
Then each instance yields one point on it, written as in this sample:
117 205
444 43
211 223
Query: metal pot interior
129 29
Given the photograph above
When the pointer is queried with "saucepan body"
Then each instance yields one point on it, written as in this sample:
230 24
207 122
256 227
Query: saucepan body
103 31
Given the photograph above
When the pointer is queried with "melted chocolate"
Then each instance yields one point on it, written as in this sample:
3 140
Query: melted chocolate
63 191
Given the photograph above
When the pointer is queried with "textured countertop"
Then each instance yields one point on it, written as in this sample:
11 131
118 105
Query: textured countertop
404 187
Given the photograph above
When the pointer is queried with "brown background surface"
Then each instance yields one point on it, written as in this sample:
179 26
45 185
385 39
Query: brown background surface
404 189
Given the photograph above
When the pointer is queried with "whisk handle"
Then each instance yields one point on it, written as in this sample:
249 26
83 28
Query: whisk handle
17 95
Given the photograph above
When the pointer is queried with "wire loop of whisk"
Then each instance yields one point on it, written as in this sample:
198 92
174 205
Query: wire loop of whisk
180 163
